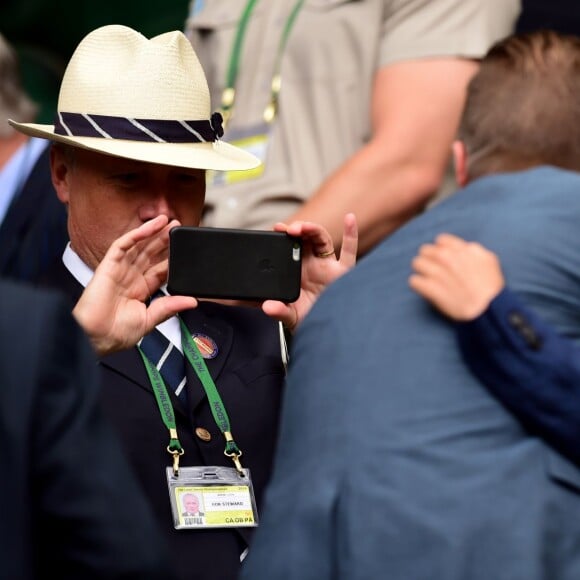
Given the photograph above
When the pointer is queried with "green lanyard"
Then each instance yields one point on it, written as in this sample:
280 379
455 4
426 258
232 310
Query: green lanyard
229 93
164 403
217 407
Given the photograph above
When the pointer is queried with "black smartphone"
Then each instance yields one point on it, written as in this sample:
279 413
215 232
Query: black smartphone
236 264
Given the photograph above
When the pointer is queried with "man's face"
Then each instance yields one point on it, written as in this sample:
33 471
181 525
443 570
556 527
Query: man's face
108 196
191 504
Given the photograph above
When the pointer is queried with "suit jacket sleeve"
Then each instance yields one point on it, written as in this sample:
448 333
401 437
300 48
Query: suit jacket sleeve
529 367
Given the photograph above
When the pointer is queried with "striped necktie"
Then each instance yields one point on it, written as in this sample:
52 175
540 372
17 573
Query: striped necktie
168 359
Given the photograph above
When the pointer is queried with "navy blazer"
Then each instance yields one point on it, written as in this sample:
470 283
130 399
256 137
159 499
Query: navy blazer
71 507
529 367
394 461
33 233
249 374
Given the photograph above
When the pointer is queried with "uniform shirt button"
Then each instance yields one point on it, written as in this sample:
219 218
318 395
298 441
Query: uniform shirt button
203 434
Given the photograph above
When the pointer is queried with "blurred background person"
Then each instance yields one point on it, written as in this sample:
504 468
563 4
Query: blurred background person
71 507
352 106
33 230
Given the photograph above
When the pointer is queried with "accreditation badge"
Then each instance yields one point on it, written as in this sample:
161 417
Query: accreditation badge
211 497
254 140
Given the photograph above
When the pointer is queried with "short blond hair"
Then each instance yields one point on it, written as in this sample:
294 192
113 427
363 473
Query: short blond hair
523 106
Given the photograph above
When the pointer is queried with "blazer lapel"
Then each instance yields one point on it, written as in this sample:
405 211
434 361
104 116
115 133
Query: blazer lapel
129 364
218 331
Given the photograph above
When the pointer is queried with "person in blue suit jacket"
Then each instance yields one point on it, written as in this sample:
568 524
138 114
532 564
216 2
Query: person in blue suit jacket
525 362
393 460
71 507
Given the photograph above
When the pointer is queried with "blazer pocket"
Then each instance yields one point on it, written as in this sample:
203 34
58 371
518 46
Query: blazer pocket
563 471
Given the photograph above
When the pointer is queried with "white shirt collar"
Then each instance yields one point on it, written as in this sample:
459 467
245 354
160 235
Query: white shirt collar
76 266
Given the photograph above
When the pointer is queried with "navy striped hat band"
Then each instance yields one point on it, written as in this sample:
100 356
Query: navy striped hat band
154 130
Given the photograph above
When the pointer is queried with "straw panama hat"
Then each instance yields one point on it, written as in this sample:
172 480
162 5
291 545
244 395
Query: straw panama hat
144 99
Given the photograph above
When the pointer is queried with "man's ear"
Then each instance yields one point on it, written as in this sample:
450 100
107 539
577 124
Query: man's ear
59 170
460 163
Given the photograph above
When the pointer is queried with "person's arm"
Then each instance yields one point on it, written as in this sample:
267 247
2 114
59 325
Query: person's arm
529 367
415 112
525 363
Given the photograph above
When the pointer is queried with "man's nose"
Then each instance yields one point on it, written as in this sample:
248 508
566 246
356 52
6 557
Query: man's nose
157 203
161 200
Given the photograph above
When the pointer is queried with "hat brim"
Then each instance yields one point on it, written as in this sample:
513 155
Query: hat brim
218 155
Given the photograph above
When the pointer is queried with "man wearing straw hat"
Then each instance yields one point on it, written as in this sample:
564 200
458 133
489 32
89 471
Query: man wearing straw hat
132 138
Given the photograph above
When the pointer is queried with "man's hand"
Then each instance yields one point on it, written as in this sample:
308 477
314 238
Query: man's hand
113 308
320 266
459 278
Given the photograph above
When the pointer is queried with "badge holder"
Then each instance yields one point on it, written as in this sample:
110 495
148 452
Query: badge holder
225 497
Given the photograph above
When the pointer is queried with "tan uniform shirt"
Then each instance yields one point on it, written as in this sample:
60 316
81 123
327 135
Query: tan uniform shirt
327 69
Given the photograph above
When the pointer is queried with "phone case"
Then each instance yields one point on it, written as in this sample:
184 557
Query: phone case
236 264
